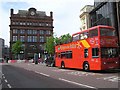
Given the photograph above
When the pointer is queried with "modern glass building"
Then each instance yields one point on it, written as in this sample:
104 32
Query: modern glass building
106 13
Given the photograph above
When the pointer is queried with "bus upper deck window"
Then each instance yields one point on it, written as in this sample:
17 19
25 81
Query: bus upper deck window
93 33
76 37
107 32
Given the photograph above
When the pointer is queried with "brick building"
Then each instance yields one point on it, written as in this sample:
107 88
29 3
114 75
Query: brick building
31 27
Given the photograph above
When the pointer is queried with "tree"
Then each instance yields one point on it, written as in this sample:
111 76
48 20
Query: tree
49 45
52 41
66 38
17 47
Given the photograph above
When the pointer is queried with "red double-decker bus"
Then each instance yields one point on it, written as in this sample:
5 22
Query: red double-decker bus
92 49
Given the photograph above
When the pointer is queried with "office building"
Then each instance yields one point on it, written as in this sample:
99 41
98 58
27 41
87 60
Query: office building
84 17
2 44
106 13
31 27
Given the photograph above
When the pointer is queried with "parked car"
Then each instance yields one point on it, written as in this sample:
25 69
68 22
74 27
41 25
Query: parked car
50 62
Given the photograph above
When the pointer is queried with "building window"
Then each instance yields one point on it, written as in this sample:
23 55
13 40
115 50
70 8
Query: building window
29 38
22 38
15 31
39 24
48 32
21 23
28 23
29 31
42 39
41 31
34 38
13 23
34 31
22 31
14 38
41 47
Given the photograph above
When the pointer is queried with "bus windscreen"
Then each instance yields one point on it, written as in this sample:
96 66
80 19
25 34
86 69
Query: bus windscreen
107 32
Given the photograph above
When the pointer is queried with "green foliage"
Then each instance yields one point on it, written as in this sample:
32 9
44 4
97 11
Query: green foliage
17 47
66 38
49 45
51 42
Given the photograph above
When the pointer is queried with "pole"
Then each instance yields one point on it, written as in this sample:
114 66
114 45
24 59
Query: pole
118 19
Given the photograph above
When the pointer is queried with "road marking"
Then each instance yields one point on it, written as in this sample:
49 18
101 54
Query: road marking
61 70
37 72
111 78
45 74
9 85
42 74
83 85
78 73
6 80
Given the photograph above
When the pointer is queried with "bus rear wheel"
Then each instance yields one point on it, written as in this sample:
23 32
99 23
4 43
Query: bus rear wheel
62 65
86 66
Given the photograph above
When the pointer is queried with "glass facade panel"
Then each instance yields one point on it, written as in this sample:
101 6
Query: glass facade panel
103 16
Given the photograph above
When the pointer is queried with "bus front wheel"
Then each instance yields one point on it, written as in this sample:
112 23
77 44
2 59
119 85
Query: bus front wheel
86 66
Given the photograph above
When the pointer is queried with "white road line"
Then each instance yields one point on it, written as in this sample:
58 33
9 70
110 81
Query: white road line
9 85
3 76
45 74
37 72
6 81
77 83
42 73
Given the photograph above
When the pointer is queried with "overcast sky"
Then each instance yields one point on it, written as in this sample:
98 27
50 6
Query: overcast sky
65 14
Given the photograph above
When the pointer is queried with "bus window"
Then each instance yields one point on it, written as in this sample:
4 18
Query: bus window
69 54
59 55
95 52
107 32
93 33
84 35
109 52
63 55
81 36
76 37
85 53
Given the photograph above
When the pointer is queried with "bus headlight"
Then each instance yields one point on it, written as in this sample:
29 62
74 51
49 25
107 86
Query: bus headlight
104 62
116 62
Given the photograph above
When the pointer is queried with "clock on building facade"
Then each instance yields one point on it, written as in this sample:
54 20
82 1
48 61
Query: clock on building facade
32 13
